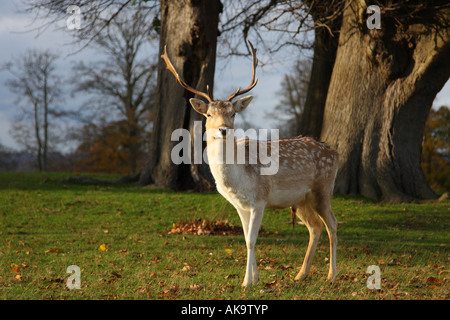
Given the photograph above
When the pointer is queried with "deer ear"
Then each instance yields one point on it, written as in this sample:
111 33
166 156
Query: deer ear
242 103
199 105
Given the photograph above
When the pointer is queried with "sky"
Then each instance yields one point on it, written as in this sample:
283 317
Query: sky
17 35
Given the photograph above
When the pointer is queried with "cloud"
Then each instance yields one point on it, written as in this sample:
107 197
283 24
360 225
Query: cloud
10 24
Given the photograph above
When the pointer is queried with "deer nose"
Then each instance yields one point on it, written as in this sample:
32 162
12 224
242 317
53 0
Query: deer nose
223 131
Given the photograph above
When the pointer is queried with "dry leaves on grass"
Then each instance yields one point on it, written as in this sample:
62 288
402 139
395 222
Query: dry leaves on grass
204 227
434 283
172 292
15 267
54 250
112 277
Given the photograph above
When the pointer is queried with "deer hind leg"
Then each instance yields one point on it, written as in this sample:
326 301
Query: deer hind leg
322 205
314 225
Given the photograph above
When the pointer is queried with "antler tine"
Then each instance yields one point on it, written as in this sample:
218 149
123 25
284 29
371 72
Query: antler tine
254 81
171 68
209 92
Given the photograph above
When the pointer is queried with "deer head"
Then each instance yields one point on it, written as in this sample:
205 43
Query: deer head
219 114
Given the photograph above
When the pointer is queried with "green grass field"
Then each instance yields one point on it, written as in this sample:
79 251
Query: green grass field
118 236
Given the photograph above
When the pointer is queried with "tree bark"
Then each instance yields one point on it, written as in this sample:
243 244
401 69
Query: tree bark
381 91
189 28
45 148
325 46
38 137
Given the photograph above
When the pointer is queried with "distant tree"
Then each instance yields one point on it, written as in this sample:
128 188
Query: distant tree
38 89
292 98
122 86
8 161
102 149
436 148
190 30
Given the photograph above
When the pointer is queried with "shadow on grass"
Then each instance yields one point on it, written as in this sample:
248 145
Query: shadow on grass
58 181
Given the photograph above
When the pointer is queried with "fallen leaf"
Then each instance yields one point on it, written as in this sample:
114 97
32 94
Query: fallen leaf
271 284
112 277
18 277
435 281
54 250
172 292
15 267
196 286
285 267
267 290
186 268
391 285
102 247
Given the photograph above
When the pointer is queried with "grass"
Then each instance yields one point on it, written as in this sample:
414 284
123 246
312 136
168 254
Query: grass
118 236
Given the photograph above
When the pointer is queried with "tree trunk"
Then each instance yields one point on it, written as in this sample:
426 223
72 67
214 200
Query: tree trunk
189 29
325 46
382 88
45 148
38 137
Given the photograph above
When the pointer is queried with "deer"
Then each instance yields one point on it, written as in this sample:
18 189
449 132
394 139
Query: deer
304 181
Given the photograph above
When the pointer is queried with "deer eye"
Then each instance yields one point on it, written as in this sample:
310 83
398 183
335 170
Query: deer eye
233 115
209 115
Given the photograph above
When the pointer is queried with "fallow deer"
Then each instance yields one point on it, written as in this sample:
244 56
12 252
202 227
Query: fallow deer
304 181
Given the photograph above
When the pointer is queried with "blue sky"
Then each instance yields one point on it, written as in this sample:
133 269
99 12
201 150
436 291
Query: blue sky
16 37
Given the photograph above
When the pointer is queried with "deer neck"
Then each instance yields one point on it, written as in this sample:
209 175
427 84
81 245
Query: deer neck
222 152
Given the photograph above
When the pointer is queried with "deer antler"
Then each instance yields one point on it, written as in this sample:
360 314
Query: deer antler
254 81
207 96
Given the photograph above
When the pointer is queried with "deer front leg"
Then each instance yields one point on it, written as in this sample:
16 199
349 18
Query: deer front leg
251 274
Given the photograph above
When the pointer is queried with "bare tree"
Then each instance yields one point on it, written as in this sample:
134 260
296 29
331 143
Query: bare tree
38 88
123 83
190 30
290 110
95 15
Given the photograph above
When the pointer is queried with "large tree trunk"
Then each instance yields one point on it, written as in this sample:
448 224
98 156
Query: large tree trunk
325 46
189 29
382 88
